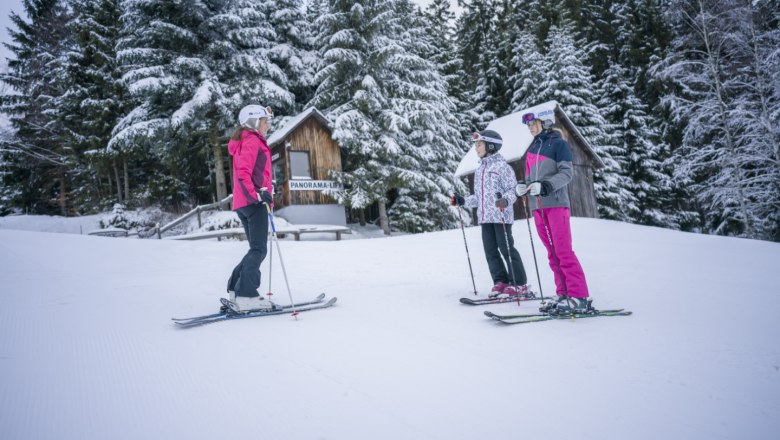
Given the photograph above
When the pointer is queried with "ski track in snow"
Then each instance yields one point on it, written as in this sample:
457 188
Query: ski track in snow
88 351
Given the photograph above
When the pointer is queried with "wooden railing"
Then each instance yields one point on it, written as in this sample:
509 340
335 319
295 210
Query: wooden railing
158 230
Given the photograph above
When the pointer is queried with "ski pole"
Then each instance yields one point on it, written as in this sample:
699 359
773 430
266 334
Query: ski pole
281 260
508 250
468 257
270 265
552 248
533 250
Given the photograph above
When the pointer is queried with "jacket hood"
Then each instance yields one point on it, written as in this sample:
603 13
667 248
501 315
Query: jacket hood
549 134
234 146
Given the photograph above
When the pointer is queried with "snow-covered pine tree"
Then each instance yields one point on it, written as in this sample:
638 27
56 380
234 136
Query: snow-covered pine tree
641 149
529 71
389 111
191 66
161 53
440 21
93 102
642 38
473 28
569 82
757 120
292 49
498 56
35 157
241 43
717 156
431 135
596 28
7 193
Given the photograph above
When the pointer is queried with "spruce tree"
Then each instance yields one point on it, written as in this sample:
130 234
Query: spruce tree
530 69
93 102
36 156
292 50
190 67
389 111
440 22
641 150
569 82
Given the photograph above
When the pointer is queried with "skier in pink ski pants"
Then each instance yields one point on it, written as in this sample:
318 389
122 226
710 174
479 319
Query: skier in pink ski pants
548 171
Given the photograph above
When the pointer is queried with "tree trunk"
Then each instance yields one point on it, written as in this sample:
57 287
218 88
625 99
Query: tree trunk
118 183
384 223
362 217
127 179
110 181
62 199
219 172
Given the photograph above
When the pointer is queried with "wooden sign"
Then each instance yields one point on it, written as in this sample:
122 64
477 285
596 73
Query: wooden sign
313 185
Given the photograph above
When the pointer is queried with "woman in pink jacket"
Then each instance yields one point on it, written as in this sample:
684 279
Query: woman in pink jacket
252 189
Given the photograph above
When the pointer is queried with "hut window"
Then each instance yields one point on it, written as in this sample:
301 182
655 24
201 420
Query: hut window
279 174
299 165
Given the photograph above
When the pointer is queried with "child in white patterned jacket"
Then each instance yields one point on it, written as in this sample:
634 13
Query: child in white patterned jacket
494 195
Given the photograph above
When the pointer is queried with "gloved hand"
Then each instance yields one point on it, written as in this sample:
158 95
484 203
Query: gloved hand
502 203
521 189
265 197
540 188
457 200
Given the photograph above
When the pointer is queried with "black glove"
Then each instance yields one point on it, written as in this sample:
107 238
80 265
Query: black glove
502 203
265 197
457 200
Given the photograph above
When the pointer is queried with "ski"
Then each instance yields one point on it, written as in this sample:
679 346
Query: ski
539 317
497 300
316 300
257 314
498 317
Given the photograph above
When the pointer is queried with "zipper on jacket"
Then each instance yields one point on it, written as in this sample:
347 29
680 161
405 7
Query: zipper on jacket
484 171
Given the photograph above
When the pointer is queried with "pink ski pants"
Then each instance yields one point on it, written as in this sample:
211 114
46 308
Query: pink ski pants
570 279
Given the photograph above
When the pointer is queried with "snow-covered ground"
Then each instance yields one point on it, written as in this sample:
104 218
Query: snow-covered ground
88 351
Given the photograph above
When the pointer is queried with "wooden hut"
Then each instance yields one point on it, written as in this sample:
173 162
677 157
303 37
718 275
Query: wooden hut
303 152
517 138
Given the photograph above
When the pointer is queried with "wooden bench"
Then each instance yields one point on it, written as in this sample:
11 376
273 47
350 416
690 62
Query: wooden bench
318 229
109 232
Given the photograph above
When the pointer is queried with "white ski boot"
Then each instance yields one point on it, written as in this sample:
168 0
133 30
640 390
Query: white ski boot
254 303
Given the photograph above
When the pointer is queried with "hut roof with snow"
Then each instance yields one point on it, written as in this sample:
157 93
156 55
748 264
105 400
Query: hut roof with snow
517 138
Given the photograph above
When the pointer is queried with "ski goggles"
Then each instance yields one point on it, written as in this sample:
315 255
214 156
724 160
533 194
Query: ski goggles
478 137
528 118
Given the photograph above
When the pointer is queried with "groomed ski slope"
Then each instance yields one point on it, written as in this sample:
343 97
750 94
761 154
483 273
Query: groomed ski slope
88 351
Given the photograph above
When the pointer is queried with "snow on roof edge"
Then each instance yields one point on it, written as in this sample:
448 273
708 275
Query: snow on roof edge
517 138
292 124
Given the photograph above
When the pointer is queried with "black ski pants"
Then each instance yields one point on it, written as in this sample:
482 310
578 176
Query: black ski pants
245 279
494 240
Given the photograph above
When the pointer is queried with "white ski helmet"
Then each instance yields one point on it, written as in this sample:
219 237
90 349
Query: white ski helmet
251 114
547 117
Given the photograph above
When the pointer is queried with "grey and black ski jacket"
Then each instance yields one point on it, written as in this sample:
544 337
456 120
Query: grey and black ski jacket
549 161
